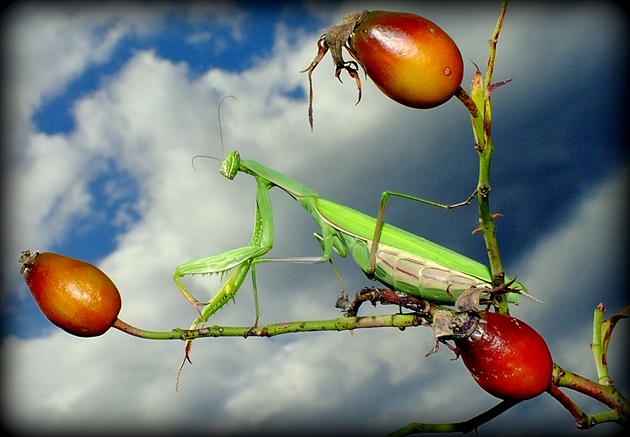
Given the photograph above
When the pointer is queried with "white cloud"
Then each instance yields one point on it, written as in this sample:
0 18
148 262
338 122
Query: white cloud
574 269
150 118
48 53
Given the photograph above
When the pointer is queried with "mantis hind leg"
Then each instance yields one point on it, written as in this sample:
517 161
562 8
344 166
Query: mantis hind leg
381 213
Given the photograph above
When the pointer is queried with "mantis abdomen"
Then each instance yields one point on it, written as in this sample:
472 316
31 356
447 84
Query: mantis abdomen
417 276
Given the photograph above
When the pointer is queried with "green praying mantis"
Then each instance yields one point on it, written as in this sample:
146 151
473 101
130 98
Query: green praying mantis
399 259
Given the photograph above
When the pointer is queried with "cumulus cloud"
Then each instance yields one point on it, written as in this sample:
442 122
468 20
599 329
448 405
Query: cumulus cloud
144 121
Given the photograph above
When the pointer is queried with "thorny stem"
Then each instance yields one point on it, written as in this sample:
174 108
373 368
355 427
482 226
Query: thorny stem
400 321
493 45
606 394
486 220
479 106
604 391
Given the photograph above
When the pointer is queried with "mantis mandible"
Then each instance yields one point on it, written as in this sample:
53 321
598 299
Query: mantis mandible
399 259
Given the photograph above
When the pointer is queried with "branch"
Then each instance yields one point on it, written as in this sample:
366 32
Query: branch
463 427
608 395
603 391
400 321
479 106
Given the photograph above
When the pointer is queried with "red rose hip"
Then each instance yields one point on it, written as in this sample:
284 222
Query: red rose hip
409 58
506 357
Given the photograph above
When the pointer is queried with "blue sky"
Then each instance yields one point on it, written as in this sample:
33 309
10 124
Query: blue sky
104 107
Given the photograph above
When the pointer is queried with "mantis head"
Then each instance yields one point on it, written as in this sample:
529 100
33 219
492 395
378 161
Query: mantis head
230 166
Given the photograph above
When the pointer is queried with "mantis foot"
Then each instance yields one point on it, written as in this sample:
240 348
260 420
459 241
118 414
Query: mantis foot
251 328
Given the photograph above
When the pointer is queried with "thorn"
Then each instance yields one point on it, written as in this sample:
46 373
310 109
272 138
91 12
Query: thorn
494 216
496 85
448 291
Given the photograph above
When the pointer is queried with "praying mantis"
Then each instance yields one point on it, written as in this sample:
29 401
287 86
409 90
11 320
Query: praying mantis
399 259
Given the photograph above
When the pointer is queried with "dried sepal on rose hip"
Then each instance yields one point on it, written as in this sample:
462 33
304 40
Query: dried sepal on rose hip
504 355
409 58
74 295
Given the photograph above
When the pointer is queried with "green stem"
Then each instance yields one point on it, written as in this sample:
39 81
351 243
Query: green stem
463 427
479 106
486 220
599 355
400 321
175 334
493 44
596 345
606 394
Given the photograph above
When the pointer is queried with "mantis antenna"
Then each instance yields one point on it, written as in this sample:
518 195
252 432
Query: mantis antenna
220 135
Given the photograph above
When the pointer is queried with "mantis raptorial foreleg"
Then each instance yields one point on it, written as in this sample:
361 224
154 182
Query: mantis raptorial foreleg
240 260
